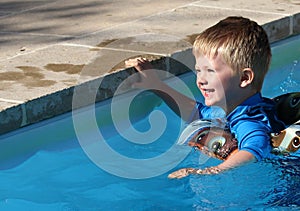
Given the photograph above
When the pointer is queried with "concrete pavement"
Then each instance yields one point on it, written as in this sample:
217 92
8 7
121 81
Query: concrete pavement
48 47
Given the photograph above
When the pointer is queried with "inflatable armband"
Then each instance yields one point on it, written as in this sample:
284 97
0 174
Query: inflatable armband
288 110
288 107
210 138
287 141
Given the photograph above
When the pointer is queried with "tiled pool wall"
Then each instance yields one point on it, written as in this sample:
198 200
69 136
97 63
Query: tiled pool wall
176 63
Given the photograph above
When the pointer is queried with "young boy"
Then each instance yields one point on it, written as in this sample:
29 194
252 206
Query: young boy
232 59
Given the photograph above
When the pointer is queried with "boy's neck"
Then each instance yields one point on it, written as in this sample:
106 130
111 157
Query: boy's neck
238 101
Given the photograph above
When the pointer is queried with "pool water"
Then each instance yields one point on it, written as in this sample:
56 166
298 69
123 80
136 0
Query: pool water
44 167
283 76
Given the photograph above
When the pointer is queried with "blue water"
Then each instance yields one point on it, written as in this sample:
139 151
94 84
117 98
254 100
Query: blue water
284 75
44 167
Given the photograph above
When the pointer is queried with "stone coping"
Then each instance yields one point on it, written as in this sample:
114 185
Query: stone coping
178 62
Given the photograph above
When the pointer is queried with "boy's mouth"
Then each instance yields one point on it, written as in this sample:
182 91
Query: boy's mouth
207 92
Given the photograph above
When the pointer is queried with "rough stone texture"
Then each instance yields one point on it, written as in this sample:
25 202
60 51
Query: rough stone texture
278 29
296 24
11 118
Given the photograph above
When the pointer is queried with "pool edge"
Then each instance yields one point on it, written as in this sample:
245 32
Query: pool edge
60 102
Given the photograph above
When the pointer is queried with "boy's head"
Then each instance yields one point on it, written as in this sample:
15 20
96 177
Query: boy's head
241 43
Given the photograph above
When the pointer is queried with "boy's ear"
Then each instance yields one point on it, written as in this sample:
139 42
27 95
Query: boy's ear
247 76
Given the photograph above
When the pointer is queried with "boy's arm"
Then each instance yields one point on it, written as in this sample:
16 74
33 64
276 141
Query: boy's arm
179 103
239 158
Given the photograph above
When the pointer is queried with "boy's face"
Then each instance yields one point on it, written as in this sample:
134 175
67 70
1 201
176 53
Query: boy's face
217 81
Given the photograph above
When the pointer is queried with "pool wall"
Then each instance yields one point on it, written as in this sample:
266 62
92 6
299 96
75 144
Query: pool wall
178 62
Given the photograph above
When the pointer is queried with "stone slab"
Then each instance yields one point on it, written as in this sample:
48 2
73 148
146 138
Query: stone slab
279 7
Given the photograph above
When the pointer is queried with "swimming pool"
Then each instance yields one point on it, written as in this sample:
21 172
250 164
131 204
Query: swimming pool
46 166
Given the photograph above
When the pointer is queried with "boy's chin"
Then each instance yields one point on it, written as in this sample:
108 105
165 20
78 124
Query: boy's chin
209 103
215 103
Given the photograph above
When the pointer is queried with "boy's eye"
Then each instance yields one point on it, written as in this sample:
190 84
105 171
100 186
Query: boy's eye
197 71
207 70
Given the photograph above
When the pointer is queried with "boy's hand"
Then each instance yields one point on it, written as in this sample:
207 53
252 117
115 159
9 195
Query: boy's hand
187 171
148 76
180 173
139 63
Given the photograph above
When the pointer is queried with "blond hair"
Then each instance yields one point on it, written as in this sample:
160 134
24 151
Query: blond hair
242 43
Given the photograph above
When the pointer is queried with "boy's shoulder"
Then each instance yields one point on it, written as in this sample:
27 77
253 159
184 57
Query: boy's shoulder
257 112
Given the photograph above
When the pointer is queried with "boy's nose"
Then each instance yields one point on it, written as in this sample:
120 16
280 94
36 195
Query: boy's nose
201 79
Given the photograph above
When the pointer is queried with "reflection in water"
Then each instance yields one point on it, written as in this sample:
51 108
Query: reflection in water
291 83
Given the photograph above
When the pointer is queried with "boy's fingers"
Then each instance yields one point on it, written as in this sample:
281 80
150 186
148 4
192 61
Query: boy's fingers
139 63
173 176
135 60
131 62
179 174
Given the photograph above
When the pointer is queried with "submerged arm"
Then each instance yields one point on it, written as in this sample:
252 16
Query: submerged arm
239 158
